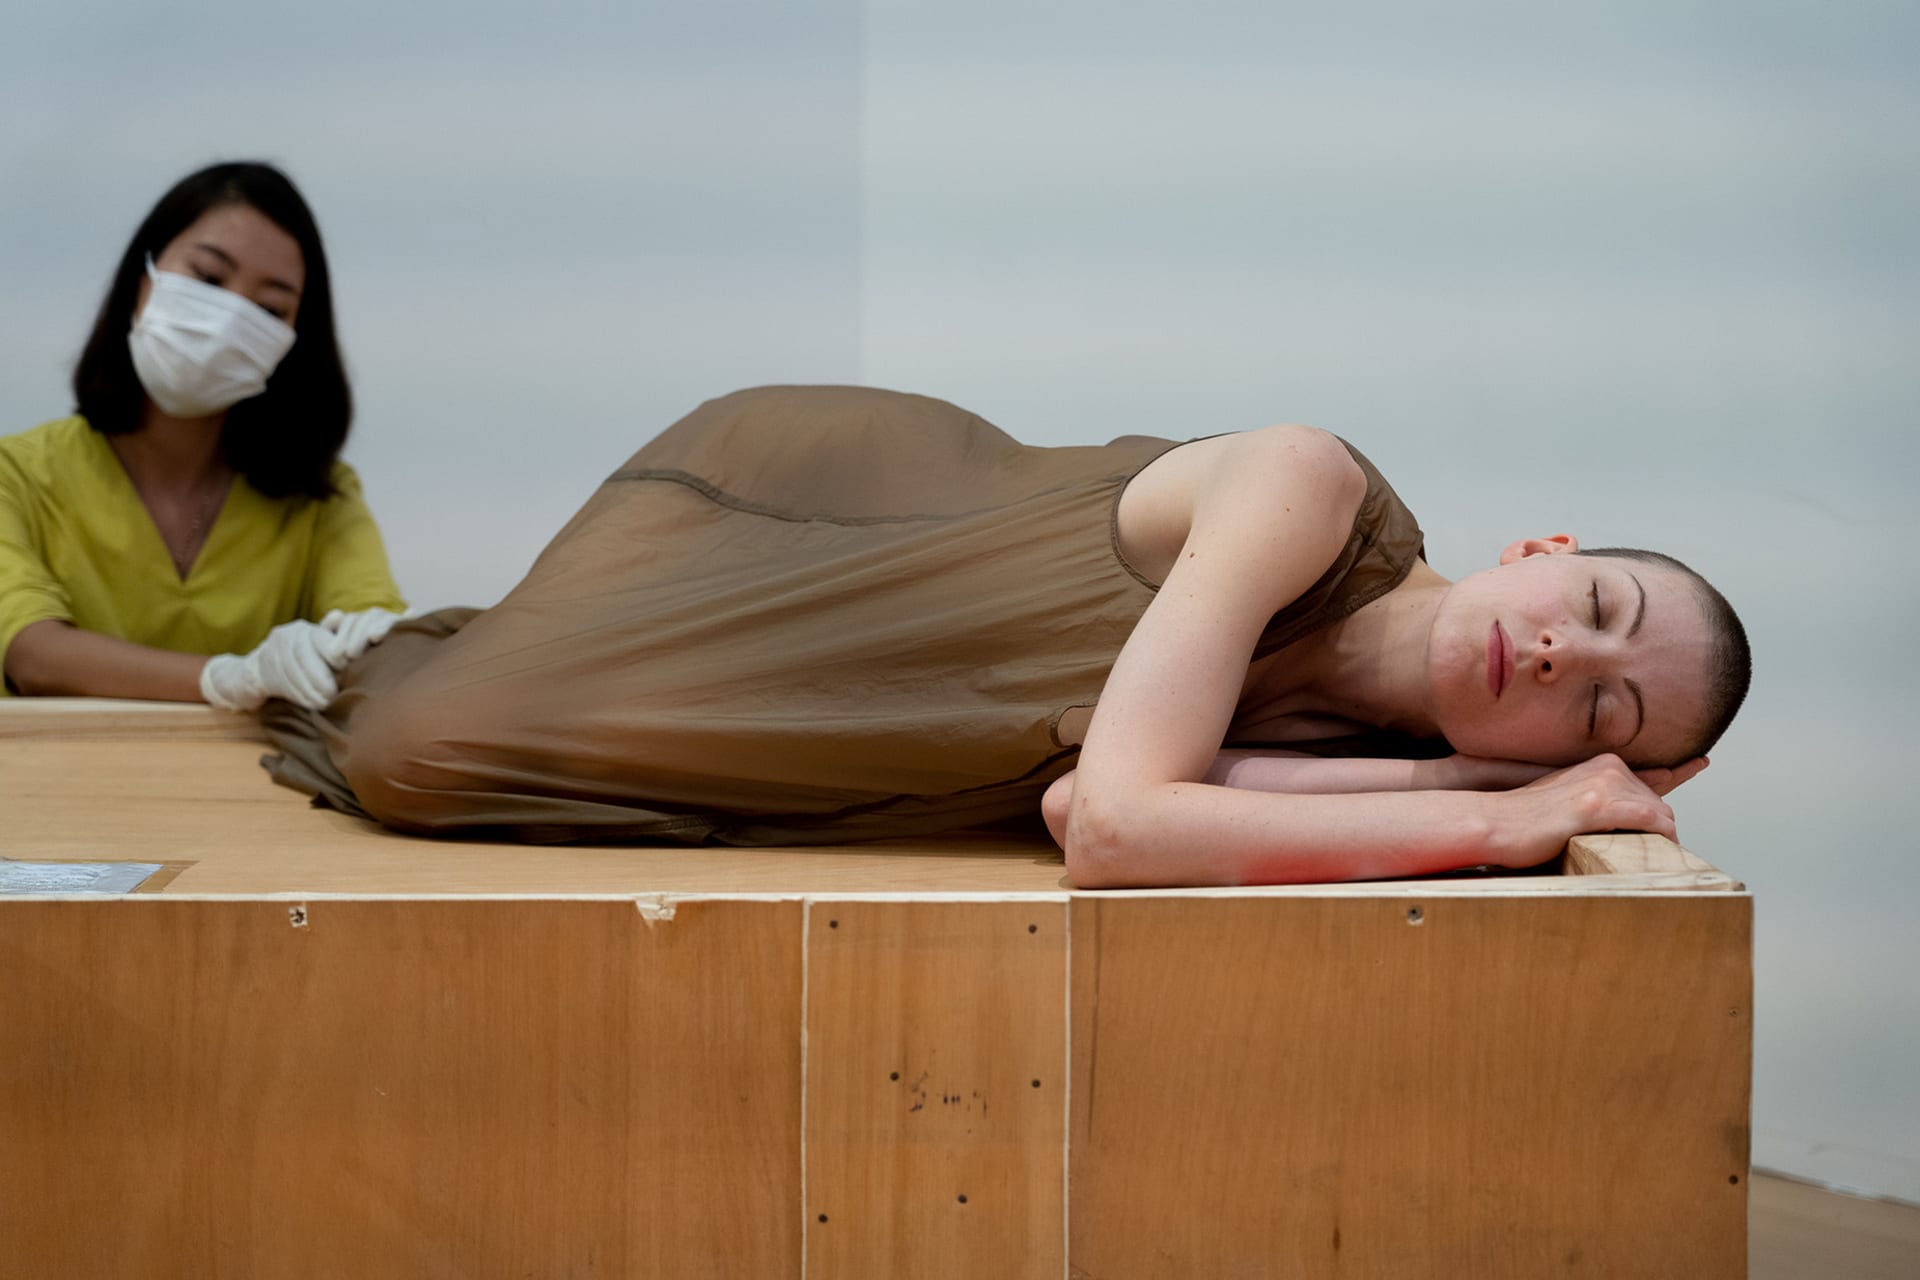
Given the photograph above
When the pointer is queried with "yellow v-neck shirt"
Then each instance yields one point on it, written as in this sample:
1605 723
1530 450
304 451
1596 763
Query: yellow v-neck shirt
77 544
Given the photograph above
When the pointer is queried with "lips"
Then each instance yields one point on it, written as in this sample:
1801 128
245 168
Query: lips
1499 659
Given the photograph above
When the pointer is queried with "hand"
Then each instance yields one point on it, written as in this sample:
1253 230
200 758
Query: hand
1663 781
1481 773
291 663
1475 773
355 633
1600 794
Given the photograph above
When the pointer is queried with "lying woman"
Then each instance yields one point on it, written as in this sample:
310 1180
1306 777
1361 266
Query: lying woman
811 615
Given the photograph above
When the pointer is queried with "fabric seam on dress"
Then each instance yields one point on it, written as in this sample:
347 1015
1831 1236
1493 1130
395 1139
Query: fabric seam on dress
721 497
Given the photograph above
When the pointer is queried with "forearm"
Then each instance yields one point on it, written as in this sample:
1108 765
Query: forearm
1201 834
1301 774
1312 775
1295 773
56 658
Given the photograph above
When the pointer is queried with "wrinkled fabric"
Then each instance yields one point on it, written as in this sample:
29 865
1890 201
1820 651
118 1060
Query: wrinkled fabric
799 615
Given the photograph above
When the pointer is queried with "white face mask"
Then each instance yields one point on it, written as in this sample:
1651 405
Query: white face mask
199 348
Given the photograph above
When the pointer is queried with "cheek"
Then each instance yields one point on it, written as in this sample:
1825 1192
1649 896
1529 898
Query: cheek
1534 733
1546 739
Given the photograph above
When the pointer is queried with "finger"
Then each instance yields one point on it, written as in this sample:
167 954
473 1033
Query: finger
299 686
339 656
1638 786
355 639
332 621
1665 780
1642 812
320 691
1650 821
367 628
316 695
336 647
342 647
312 673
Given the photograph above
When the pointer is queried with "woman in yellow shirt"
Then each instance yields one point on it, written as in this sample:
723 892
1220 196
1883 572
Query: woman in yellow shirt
190 533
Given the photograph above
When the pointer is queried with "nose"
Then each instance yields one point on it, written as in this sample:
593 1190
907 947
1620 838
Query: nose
1556 656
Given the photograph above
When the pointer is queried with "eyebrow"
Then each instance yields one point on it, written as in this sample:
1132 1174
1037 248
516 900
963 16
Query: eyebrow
1633 686
273 282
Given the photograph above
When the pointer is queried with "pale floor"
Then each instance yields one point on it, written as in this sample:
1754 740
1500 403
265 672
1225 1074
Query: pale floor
1801 1232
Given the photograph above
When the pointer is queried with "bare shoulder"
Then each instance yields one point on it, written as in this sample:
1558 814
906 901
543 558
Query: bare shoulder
1283 477
1293 455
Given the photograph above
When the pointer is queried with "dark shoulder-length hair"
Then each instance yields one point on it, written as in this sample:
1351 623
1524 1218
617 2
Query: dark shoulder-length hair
284 440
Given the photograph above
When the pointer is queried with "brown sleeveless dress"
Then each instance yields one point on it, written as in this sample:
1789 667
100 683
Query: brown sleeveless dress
799 615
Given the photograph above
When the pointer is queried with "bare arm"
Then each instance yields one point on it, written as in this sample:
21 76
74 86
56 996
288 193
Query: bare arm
296 661
1302 774
53 658
1267 520
1197 834
1298 773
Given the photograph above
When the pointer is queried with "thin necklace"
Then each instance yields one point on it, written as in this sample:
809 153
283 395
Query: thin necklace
202 509
199 523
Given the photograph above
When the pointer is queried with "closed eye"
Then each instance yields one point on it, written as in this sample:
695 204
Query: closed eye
1594 595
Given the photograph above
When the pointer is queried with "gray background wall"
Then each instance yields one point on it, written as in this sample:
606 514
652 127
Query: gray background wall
1642 271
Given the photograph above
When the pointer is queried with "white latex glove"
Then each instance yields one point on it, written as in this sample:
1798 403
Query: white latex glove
355 633
290 663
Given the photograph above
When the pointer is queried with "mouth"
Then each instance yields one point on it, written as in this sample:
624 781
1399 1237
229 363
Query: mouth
1499 659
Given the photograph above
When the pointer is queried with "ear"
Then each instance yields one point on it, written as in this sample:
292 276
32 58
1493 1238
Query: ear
1557 545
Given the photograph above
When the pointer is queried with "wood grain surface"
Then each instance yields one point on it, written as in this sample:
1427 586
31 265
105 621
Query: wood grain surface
1460 1087
417 1089
124 719
936 1087
204 806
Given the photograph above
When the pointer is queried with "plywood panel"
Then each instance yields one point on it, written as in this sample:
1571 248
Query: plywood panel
407 1089
1499 1087
935 1093
210 804
123 719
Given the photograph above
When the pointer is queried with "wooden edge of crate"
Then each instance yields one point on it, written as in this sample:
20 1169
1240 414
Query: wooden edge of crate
1656 860
123 718
1624 861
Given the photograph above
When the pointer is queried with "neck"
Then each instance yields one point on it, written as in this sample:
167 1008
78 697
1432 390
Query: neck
1372 667
173 453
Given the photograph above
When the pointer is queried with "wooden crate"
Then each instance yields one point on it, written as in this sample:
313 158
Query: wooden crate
319 1049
